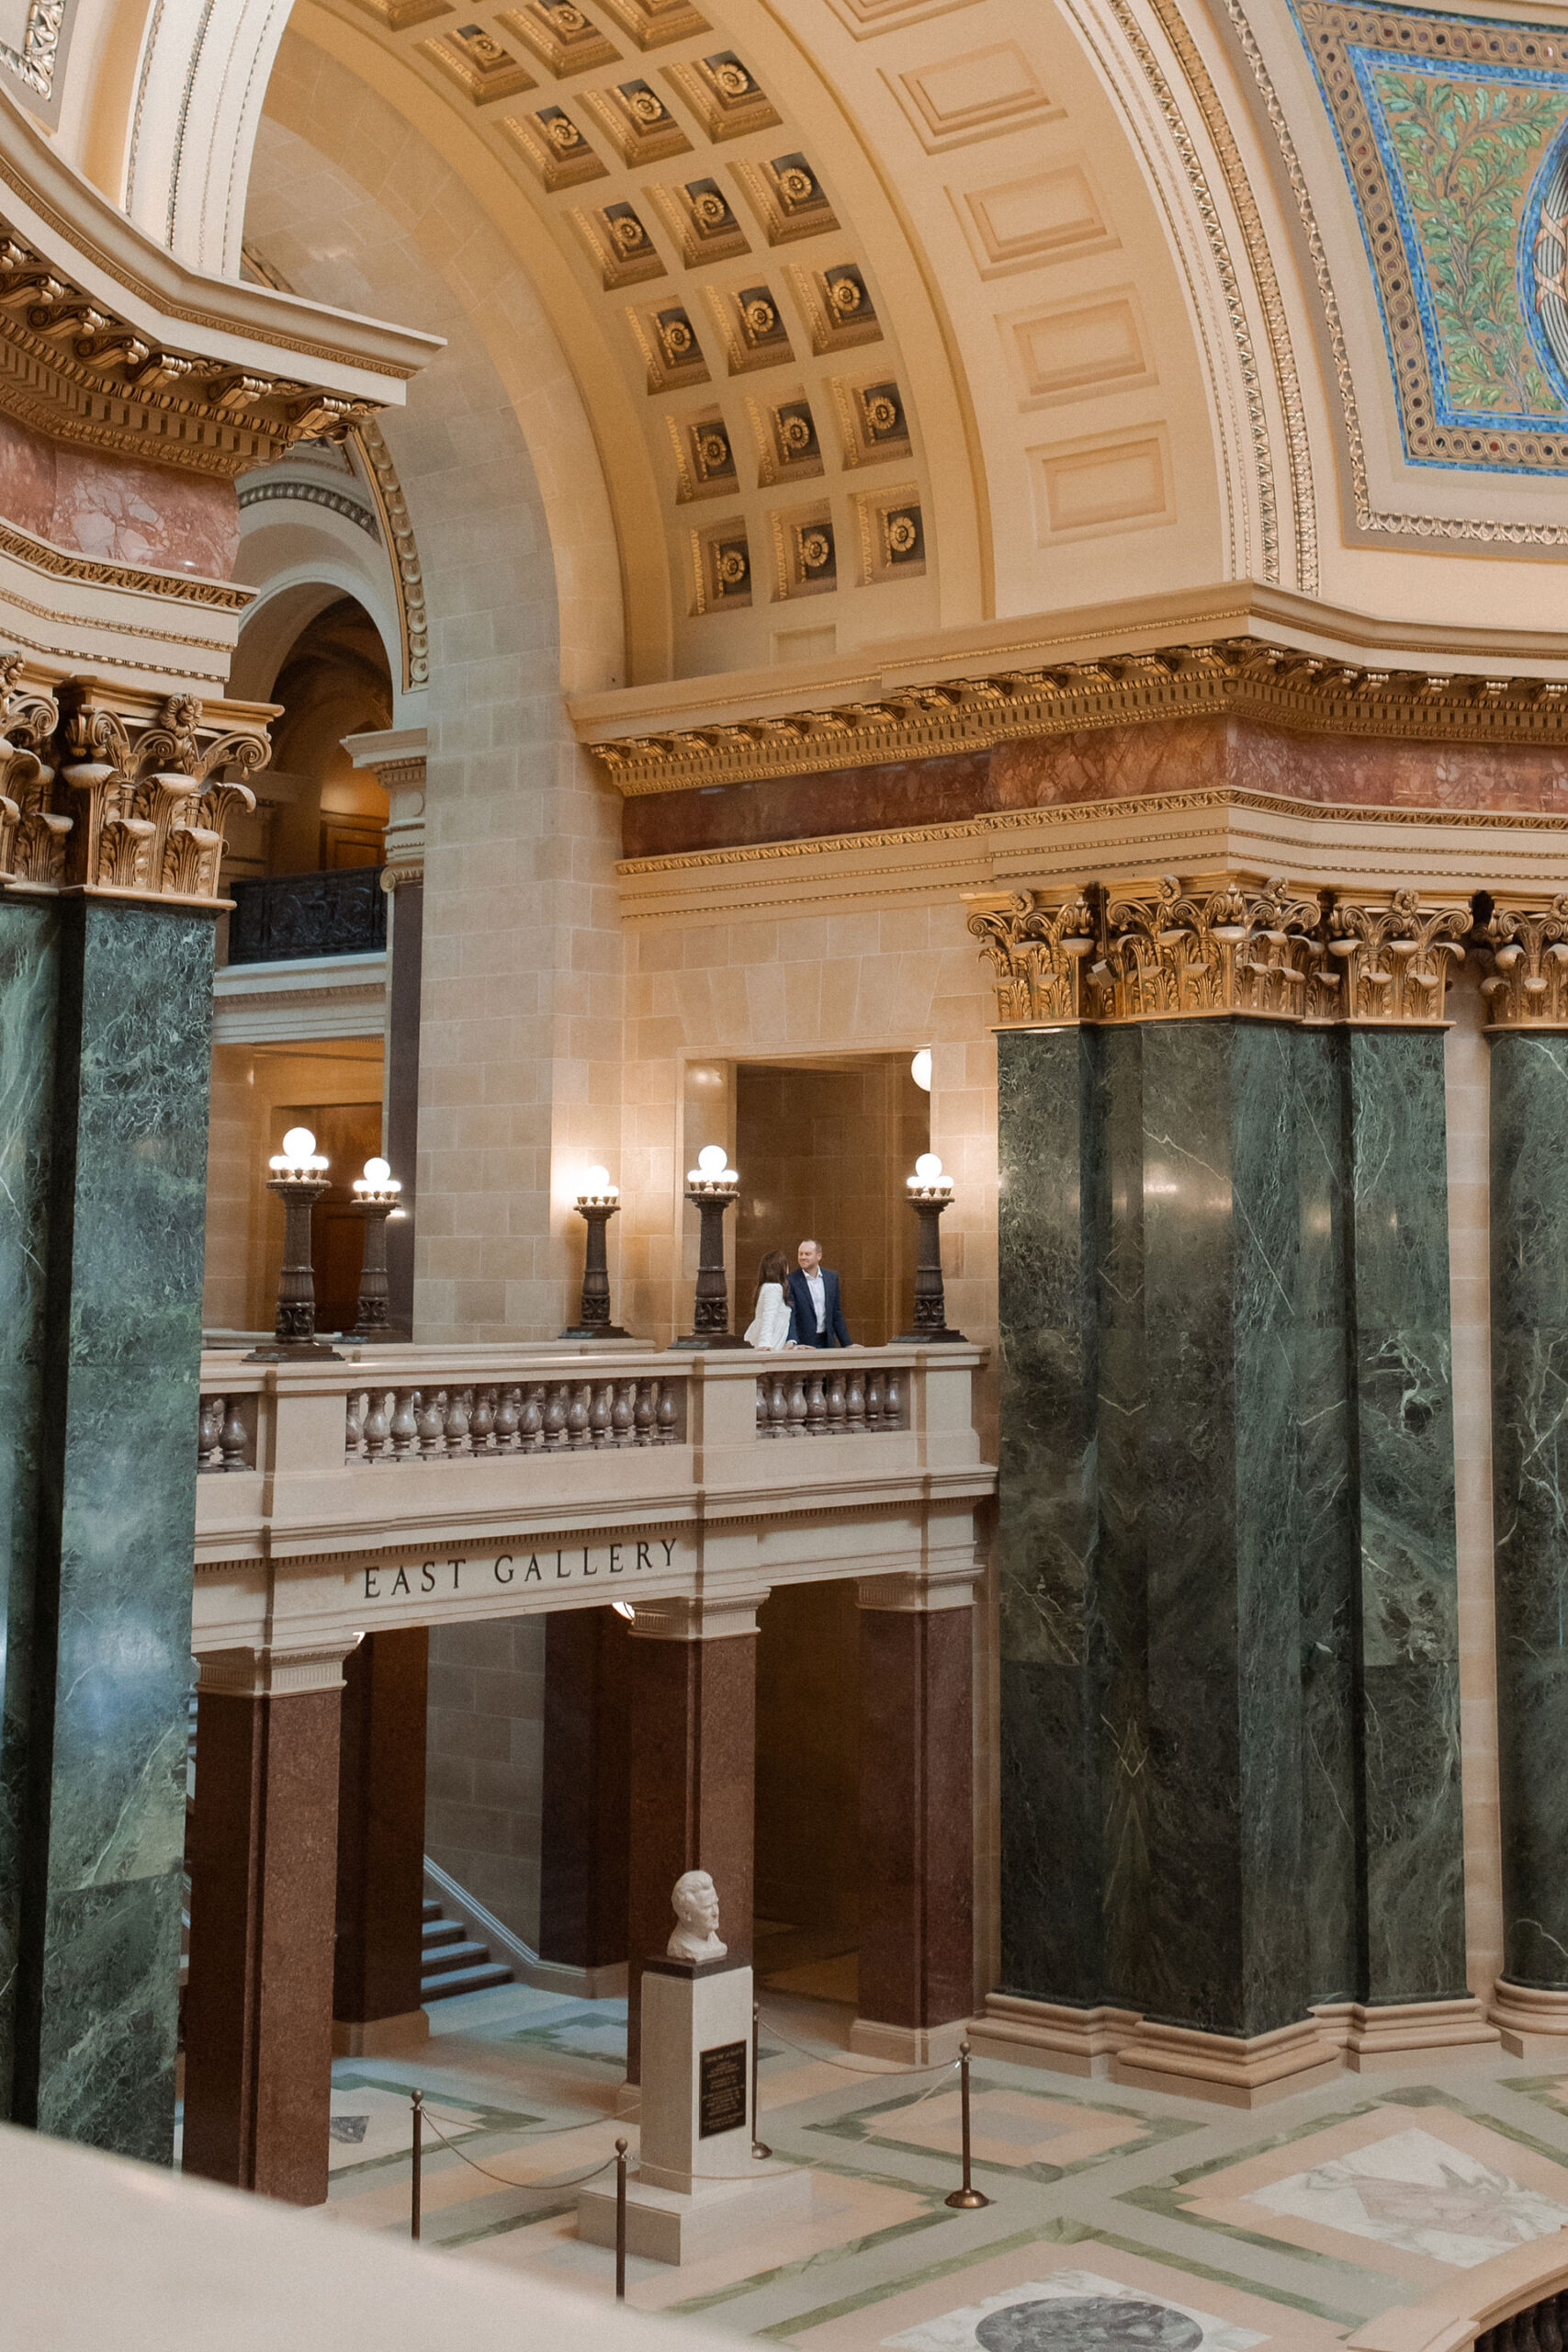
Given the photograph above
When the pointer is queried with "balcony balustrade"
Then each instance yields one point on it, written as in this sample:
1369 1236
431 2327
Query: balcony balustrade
403 1485
279 918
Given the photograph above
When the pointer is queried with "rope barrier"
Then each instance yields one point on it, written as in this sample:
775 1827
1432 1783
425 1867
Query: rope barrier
530 2187
866 2073
546 2132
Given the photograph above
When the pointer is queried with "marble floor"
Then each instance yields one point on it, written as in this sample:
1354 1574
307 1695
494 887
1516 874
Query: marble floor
1119 2218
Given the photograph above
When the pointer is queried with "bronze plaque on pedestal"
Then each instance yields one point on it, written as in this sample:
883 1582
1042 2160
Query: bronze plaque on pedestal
721 2088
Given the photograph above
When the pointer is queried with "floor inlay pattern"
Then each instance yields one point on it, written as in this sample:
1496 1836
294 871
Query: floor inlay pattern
1120 2220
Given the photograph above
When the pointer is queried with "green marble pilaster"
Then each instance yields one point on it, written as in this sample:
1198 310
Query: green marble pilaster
1219 1473
1529 1480
1053 1645
1407 1731
103 1824
28 979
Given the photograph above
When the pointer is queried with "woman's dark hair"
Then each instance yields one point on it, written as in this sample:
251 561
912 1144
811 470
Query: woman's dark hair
772 1270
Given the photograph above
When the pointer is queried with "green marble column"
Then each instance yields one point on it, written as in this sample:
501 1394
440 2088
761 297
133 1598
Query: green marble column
28 982
102 1817
1530 1482
1406 1695
1054 1660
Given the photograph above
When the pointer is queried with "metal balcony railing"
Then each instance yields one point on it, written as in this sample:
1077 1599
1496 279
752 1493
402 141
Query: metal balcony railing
280 917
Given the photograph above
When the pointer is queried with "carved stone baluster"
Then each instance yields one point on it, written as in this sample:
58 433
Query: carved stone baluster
815 1405
778 1405
404 1424
236 1438
874 1400
556 1410
508 1416
430 1419
835 1407
599 1412
668 1412
763 1429
356 1404
854 1402
643 1416
621 1420
455 1420
533 1423
376 1425
796 1404
481 1421
893 1401
210 1429
577 1394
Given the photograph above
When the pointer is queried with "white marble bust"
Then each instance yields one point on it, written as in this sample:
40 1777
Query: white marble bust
695 1904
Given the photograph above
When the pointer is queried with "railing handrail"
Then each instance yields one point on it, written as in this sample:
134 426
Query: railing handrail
395 1366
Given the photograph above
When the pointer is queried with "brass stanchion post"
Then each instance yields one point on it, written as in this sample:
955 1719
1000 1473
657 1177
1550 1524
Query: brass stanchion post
620 2221
758 2147
968 2196
414 2183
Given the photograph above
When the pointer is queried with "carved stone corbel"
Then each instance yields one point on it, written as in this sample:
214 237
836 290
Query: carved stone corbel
1224 943
1528 949
1389 959
1038 947
151 809
32 834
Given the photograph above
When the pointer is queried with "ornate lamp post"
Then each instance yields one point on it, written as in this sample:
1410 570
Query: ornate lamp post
299 1178
711 1186
929 1192
375 1198
596 1203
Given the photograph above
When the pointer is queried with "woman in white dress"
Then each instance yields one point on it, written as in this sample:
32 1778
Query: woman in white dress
769 1327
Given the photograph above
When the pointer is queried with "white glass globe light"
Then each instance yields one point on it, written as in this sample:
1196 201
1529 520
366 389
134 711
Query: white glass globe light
376 1170
920 1069
711 1159
597 1181
928 1168
299 1145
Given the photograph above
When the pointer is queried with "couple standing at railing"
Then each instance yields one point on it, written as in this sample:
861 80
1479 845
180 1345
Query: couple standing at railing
800 1309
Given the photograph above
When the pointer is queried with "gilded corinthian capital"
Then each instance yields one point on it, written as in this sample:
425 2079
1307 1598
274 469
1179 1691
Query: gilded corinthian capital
32 836
1038 945
1389 959
149 804
1528 948
1220 944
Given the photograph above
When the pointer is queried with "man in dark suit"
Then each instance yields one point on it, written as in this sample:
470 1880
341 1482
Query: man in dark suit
815 1315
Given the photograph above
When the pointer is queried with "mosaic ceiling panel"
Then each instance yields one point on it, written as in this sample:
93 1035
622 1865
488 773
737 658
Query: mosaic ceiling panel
1453 131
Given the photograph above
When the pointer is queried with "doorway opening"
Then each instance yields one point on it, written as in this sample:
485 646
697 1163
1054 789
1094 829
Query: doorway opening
806 1911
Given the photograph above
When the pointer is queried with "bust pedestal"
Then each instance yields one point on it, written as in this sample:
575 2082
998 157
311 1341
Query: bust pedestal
697 2187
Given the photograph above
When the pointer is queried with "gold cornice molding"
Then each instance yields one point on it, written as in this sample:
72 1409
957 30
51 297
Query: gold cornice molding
1240 649
1220 945
93 571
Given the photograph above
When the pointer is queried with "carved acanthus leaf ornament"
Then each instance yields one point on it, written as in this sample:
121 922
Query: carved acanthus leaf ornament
1527 947
1222 944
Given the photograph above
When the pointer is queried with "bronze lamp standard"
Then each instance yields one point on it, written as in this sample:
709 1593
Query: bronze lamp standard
375 1198
596 1203
711 1186
930 1191
299 1178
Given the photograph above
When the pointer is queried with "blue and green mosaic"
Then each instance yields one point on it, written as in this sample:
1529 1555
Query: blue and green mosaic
1453 131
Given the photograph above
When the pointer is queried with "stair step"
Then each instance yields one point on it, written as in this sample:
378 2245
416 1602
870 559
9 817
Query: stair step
465 1980
462 1954
430 1909
436 1932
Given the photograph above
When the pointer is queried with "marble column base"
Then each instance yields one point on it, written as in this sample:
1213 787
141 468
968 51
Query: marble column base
1395 2033
1531 2022
909 2045
381 2036
1226 2068
1049 2033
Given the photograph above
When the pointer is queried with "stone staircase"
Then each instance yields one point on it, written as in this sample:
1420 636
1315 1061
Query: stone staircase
452 1962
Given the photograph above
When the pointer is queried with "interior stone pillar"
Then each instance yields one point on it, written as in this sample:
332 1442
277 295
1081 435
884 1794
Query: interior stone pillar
587 1789
396 757
694 1713
917 1845
380 1845
102 1373
263 1882
1528 1025
1230 1796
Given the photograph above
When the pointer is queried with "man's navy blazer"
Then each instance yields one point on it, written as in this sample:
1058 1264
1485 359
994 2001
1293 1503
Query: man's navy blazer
803 1313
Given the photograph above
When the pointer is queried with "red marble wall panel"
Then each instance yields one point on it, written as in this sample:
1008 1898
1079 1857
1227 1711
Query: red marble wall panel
116 510
1102 763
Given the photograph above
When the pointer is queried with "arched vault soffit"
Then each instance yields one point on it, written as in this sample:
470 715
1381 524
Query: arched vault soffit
887 318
